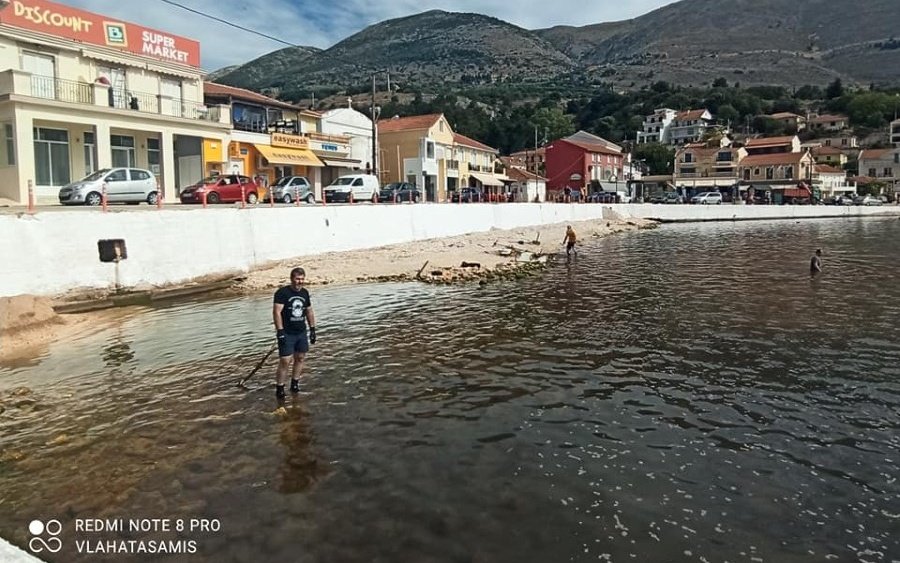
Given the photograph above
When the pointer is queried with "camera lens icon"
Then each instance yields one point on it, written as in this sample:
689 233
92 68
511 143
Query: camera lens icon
39 543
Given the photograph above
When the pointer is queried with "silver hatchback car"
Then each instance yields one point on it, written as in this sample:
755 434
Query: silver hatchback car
293 188
123 185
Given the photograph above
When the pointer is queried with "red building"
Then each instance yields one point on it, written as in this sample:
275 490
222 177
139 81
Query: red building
576 160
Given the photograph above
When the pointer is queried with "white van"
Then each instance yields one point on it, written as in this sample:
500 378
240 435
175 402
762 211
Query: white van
364 187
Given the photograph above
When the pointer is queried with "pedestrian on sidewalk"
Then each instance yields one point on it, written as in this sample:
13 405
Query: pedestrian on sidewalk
295 330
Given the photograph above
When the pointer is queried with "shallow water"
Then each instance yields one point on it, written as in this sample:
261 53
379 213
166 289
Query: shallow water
682 394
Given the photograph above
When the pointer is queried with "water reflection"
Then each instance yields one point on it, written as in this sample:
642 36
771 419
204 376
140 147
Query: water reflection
680 394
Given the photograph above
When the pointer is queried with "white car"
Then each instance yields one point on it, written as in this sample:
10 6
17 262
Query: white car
364 187
708 198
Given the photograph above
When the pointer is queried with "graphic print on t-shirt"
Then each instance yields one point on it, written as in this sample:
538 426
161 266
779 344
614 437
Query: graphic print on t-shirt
298 309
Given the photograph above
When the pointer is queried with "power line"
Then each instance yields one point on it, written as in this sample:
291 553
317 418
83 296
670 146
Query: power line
226 22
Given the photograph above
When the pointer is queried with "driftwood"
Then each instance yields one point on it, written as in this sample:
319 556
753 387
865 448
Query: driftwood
419 273
470 265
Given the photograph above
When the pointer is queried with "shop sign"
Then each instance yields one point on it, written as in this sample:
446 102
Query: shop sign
87 27
289 141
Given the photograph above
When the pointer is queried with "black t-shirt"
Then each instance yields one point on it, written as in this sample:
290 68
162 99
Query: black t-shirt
293 315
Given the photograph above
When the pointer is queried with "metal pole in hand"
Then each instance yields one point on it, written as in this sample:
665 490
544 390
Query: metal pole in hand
259 365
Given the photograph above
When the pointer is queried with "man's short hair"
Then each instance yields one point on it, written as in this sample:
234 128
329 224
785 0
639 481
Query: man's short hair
298 271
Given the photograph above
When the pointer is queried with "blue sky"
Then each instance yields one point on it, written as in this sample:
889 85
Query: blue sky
322 23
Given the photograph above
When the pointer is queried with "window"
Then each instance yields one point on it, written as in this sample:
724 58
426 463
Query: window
844 142
116 78
724 156
688 157
872 172
827 142
358 182
746 174
788 172
429 150
896 154
117 176
51 156
284 172
888 171
770 173
756 172
8 156
153 154
122 151
139 174
90 162
441 125
43 74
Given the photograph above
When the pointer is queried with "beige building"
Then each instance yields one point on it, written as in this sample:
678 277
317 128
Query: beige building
830 156
78 98
779 168
699 166
791 120
424 150
883 165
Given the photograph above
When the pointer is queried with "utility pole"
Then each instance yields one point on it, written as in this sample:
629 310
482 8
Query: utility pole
374 133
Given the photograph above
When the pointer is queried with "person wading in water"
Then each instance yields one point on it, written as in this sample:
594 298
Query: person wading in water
292 313
569 241
815 263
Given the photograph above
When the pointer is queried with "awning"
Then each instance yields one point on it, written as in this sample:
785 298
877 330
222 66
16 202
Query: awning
295 157
341 162
486 180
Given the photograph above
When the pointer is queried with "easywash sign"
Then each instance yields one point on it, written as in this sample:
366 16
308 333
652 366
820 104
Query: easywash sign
64 21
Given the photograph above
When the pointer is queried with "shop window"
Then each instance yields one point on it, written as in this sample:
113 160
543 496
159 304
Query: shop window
51 156
770 173
8 156
90 161
789 172
122 151
153 155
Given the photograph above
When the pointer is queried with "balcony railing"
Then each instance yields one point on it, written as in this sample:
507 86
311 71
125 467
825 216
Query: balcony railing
51 88
85 93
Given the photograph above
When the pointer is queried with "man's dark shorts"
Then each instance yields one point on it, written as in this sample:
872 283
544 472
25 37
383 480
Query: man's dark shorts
570 246
293 343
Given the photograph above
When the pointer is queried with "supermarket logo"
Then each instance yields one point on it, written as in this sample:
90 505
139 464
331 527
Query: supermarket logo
44 536
115 34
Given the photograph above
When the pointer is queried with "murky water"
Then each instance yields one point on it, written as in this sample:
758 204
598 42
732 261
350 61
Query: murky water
683 394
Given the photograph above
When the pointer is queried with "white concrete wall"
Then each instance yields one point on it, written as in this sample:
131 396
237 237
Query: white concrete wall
53 252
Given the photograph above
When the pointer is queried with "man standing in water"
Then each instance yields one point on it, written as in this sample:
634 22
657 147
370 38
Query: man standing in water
569 241
292 314
815 263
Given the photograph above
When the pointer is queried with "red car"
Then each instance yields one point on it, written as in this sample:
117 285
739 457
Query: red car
225 188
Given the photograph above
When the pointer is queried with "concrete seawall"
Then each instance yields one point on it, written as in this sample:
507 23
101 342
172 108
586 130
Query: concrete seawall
55 252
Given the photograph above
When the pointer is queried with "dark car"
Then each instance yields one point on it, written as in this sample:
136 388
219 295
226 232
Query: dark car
467 195
400 191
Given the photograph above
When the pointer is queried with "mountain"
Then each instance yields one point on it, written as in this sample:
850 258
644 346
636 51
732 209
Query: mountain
754 42
426 49
784 42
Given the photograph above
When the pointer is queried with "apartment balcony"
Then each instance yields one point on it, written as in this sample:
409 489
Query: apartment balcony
21 83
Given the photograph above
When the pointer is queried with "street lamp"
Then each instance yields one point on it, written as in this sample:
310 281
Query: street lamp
376 111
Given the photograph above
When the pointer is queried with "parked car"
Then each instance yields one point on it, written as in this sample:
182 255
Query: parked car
867 200
123 185
467 195
657 198
707 198
224 188
293 188
673 197
364 187
846 199
400 191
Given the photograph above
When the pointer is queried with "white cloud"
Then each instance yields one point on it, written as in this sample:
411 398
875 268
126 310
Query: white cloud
323 23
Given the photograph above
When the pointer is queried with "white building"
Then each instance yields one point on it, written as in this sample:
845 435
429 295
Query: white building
656 126
832 181
690 126
895 132
355 125
80 92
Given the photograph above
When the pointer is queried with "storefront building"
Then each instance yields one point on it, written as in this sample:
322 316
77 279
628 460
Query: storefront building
80 92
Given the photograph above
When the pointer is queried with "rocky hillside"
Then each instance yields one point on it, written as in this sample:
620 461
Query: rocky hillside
423 50
785 42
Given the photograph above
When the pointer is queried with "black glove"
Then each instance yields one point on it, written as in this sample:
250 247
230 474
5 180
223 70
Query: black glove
312 335
280 335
